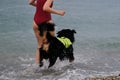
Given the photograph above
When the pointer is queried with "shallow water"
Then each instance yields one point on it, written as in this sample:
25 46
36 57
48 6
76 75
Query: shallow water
97 46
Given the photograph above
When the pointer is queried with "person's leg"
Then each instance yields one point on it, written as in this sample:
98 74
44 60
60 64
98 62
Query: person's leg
39 42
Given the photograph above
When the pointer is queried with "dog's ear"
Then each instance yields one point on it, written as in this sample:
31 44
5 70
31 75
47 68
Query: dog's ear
73 31
50 26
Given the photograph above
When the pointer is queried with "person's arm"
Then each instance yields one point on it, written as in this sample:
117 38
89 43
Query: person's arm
32 2
47 8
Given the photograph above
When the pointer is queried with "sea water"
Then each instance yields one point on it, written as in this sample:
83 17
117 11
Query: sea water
96 47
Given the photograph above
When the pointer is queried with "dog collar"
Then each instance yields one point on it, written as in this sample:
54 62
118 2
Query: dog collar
66 41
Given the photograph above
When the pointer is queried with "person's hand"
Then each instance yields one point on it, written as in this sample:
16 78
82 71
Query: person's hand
61 12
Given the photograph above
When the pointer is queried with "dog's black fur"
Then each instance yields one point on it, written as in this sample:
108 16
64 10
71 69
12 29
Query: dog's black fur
56 48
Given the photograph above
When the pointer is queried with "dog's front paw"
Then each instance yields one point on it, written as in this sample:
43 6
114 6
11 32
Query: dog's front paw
41 64
71 59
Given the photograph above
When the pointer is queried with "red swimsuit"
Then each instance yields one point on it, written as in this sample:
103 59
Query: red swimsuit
40 15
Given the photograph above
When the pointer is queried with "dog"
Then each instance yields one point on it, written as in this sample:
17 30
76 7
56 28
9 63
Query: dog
59 47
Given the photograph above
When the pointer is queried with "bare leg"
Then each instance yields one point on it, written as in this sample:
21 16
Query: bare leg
39 41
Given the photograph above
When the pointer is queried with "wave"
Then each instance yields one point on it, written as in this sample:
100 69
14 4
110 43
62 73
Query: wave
28 70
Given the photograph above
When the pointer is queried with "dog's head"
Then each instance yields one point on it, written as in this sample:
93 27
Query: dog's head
46 27
67 33
46 30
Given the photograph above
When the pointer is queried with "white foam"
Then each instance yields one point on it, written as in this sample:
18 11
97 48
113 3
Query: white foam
25 59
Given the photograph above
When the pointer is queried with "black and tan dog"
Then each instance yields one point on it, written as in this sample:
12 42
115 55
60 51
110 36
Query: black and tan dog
59 47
